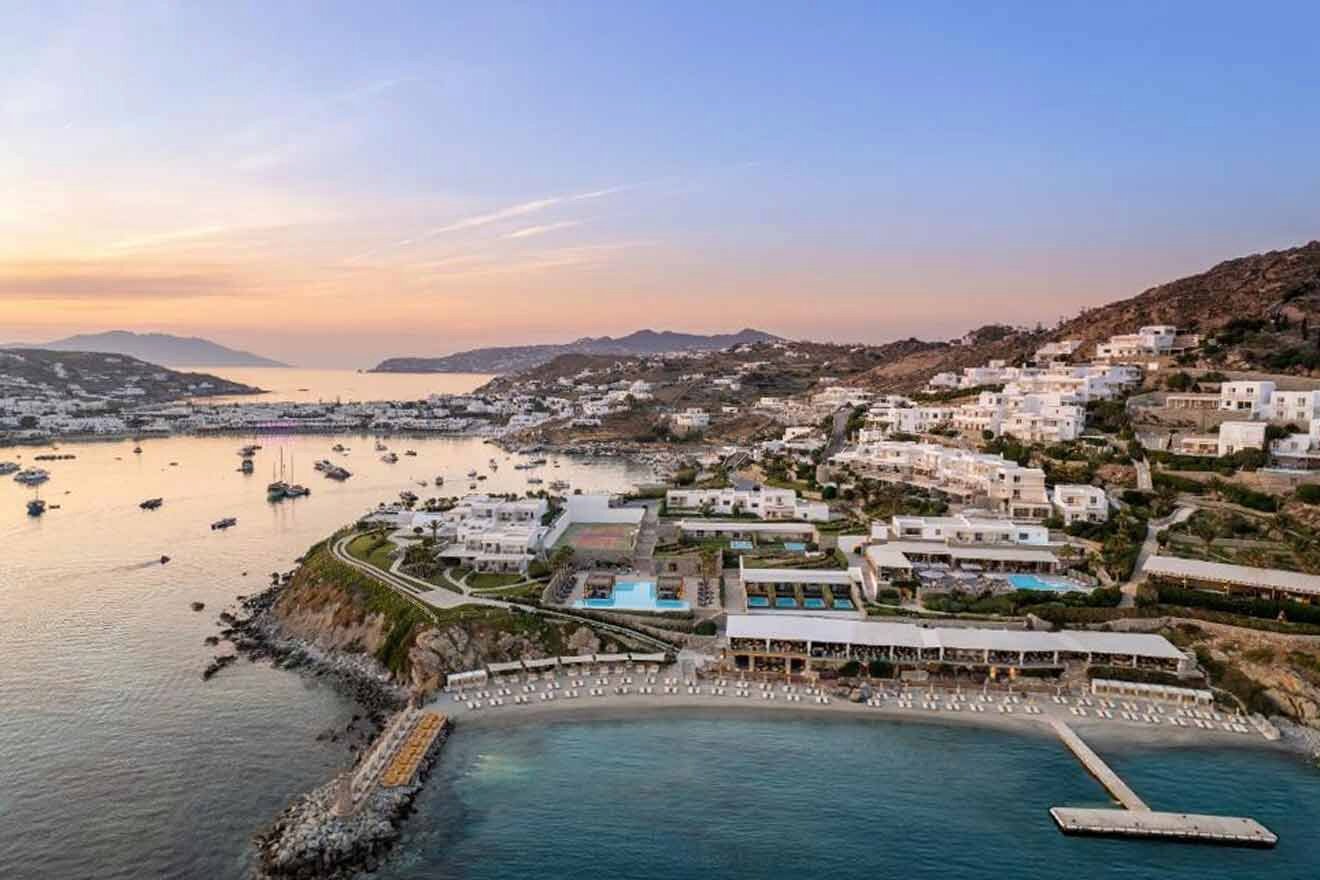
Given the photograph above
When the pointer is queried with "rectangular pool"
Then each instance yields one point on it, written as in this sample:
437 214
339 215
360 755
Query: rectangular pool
740 545
786 602
813 603
795 546
1045 584
758 602
843 604
634 596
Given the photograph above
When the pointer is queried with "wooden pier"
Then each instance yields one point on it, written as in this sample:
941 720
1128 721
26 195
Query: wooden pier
1140 821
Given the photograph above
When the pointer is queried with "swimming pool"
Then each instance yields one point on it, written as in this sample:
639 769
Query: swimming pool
786 602
758 602
740 545
1052 585
795 546
843 604
634 596
813 603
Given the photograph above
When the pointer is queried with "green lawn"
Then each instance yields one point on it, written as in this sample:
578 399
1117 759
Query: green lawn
484 580
373 549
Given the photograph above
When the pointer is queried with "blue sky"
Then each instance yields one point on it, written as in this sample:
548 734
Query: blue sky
517 172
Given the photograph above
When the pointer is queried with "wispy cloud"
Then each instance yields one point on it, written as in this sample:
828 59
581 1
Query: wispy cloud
555 258
99 282
530 231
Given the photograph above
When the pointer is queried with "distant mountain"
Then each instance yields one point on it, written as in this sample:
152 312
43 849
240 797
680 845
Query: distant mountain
162 348
512 359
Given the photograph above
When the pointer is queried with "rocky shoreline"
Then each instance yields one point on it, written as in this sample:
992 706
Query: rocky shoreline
309 839
256 633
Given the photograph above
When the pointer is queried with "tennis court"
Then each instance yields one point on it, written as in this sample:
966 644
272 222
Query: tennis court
601 537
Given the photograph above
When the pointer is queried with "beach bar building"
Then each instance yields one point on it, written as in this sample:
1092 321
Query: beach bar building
798 643
1235 580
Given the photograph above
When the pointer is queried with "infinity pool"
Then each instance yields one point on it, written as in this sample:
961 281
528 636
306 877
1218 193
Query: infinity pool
634 596
1052 585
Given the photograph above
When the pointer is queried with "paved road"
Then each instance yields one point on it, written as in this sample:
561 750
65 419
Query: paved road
1148 549
1144 481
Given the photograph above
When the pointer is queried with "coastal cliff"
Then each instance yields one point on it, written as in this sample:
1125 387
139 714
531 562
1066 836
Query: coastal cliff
333 608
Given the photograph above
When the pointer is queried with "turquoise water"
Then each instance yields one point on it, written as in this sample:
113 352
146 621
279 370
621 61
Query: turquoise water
813 603
795 546
785 602
757 602
634 596
715 797
1034 582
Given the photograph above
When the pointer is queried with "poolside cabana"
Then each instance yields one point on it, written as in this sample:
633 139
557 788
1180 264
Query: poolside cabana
599 585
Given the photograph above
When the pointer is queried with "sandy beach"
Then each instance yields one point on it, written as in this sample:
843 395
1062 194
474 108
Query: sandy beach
612 706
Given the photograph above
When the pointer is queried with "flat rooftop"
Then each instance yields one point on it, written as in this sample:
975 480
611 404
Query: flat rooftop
1236 575
788 627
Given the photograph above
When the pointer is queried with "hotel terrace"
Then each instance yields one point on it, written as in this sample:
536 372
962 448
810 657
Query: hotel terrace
815 589
799 644
991 480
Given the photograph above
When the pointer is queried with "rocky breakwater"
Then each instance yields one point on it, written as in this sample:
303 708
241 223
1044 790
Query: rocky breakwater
330 833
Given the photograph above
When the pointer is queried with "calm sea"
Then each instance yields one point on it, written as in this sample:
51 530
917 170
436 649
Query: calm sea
299 385
119 762
116 760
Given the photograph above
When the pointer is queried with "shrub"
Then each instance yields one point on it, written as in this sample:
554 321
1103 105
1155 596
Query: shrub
1309 493
705 628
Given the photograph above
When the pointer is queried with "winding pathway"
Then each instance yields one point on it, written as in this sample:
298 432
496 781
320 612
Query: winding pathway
428 597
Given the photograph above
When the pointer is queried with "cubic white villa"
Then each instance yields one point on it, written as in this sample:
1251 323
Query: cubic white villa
760 501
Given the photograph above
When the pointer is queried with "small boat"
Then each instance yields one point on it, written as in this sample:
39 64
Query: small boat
297 490
472 473
32 476
481 477
335 472
277 490
247 466
412 452
137 450
152 503
408 497
380 447
174 464
8 467
164 559
534 481
338 447
422 483
559 485
52 456
248 451
36 507
224 523
439 481
389 458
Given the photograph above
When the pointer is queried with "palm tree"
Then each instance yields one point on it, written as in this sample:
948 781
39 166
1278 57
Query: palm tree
709 564
562 558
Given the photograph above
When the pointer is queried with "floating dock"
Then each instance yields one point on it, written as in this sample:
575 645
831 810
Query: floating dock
1140 821
1227 830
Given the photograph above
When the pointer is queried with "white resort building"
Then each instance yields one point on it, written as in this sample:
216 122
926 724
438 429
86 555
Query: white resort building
990 481
760 501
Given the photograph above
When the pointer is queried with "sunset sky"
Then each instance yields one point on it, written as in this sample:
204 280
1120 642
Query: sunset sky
332 184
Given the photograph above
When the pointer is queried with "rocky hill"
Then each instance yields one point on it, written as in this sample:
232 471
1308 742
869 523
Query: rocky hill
162 348
1257 312
71 374
336 608
512 359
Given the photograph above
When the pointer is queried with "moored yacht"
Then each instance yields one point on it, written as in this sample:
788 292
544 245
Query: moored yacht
389 458
32 476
